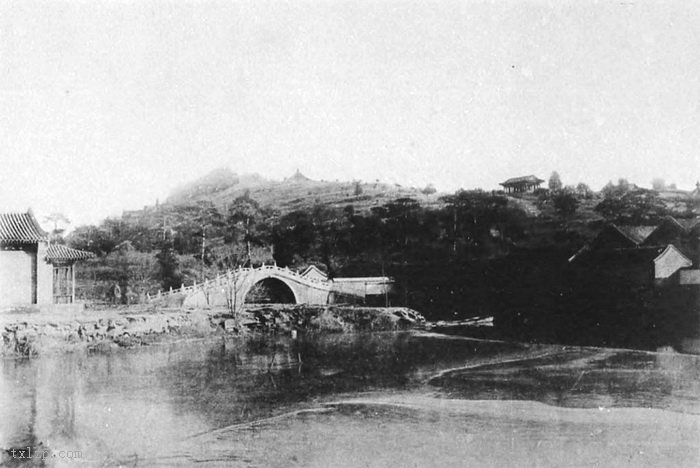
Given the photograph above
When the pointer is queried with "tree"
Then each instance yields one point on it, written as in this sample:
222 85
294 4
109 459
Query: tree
133 271
634 206
429 190
293 237
584 191
231 291
59 222
168 265
555 182
210 223
92 239
476 216
565 202
617 191
658 184
358 188
242 221
402 216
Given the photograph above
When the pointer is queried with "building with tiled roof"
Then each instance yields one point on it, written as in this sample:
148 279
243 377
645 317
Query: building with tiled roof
521 184
688 224
313 272
33 271
21 228
58 253
642 264
636 234
615 236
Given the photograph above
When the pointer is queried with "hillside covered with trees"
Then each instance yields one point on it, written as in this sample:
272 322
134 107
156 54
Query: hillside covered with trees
452 255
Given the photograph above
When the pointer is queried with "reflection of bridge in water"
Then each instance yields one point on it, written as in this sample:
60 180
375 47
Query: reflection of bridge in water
239 286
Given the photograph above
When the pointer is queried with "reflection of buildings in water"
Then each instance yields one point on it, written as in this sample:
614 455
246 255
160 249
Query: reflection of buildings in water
38 403
99 405
18 405
58 390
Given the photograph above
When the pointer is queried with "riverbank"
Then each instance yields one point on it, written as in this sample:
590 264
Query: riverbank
31 332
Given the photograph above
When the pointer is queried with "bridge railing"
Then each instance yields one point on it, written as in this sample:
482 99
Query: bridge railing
224 278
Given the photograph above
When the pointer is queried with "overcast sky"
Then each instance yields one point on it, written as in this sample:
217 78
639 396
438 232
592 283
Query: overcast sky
107 106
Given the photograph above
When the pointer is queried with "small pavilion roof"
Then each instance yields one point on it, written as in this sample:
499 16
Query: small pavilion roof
59 252
21 228
531 179
311 269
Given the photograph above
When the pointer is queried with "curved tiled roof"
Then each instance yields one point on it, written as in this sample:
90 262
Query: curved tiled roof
21 228
61 252
636 234
531 179
687 223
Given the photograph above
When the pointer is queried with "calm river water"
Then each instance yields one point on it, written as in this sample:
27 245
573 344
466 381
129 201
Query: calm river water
390 399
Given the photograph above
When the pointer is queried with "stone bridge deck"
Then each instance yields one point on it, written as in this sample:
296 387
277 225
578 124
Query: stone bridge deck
231 288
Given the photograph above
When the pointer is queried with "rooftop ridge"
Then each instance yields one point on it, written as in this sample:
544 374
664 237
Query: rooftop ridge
21 228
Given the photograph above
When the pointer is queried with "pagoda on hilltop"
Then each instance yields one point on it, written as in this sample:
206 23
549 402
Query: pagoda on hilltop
298 177
696 193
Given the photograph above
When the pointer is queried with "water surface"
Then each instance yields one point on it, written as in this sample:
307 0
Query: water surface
386 399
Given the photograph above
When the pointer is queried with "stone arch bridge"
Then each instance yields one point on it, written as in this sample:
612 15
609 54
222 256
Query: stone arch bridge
232 287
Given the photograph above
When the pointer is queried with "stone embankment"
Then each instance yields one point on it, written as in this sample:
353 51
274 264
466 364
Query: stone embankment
29 333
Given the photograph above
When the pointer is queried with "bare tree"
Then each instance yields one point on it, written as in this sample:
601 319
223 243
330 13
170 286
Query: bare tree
60 222
231 291
227 259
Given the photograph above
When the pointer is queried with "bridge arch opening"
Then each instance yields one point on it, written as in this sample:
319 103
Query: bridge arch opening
270 291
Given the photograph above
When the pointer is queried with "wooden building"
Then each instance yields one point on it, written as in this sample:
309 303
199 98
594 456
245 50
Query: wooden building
681 232
63 259
615 236
314 273
521 184
640 265
669 261
30 268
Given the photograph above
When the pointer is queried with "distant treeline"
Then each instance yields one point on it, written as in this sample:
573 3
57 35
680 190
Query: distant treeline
438 254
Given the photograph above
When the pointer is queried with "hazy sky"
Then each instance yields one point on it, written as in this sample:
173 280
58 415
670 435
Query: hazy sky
107 106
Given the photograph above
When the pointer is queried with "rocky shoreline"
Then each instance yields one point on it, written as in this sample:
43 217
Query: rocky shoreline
32 333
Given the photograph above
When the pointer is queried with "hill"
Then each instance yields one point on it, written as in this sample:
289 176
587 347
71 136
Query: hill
296 192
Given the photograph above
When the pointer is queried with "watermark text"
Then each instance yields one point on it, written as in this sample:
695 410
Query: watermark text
44 454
